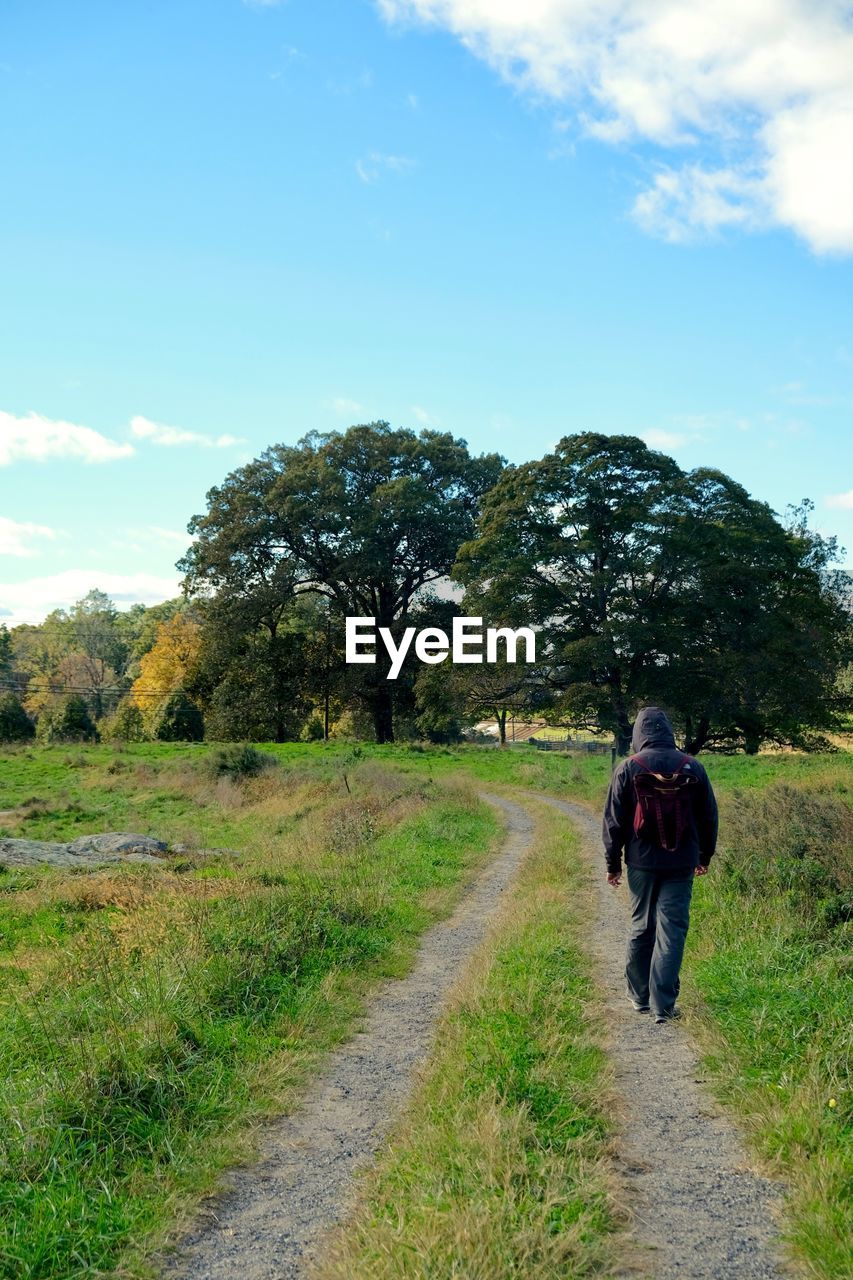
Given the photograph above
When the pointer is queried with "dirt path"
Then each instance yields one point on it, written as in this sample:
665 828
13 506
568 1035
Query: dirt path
696 1203
699 1212
274 1214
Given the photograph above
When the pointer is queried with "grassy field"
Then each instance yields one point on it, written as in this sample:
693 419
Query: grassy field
768 972
147 1017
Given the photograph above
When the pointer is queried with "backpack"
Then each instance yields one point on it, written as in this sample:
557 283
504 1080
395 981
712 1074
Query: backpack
663 802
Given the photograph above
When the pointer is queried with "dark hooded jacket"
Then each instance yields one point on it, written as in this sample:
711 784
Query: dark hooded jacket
654 739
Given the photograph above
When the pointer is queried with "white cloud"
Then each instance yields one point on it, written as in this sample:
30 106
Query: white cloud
370 167
809 170
15 537
684 204
341 404
657 439
423 415
841 500
30 601
157 433
36 439
762 90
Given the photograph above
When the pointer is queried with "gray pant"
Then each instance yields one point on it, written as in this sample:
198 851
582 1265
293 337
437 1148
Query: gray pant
660 914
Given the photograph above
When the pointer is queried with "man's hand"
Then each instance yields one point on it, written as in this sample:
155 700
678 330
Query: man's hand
700 870
614 878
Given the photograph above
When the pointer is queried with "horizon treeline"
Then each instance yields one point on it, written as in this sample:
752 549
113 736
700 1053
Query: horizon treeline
646 584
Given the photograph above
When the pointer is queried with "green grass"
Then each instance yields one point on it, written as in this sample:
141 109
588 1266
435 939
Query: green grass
138 1044
768 972
774 1017
145 1019
498 1168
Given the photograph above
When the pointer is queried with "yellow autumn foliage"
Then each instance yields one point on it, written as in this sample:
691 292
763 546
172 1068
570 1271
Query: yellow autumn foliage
168 666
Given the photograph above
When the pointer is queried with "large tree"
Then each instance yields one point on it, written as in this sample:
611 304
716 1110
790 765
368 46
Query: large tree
97 649
367 518
652 584
760 629
580 544
166 674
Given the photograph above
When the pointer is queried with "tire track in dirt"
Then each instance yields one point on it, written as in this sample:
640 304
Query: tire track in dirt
699 1211
273 1215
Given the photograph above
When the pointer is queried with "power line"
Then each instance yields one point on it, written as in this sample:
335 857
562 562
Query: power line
107 691
63 627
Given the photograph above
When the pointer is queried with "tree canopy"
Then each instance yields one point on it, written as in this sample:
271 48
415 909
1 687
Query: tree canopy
646 583
367 518
651 584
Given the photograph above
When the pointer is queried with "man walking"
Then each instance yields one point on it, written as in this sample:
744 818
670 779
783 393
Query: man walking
662 813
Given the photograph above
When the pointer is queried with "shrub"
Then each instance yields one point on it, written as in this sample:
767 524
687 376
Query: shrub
67 721
179 721
794 842
15 724
125 724
241 761
312 730
242 708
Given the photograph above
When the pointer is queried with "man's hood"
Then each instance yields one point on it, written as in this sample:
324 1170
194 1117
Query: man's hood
651 729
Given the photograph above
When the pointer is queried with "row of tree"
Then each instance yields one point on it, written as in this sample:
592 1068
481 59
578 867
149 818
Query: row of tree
644 582
84 666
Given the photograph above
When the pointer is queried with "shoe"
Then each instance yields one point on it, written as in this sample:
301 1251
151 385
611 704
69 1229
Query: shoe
637 1007
669 1016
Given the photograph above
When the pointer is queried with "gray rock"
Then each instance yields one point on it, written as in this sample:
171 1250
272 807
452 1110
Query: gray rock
93 851
190 850
122 842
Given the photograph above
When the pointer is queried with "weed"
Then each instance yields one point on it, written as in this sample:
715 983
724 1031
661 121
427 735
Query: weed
791 841
239 761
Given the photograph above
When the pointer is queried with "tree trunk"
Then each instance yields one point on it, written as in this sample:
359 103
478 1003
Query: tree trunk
383 713
624 729
327 664
752 734
694 742
501 719
279 704
624 726
382 697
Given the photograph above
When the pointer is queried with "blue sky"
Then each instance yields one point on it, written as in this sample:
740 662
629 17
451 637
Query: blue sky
226 224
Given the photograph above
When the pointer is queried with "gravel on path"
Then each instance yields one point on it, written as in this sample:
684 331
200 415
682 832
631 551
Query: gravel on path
273 1215
699 1211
